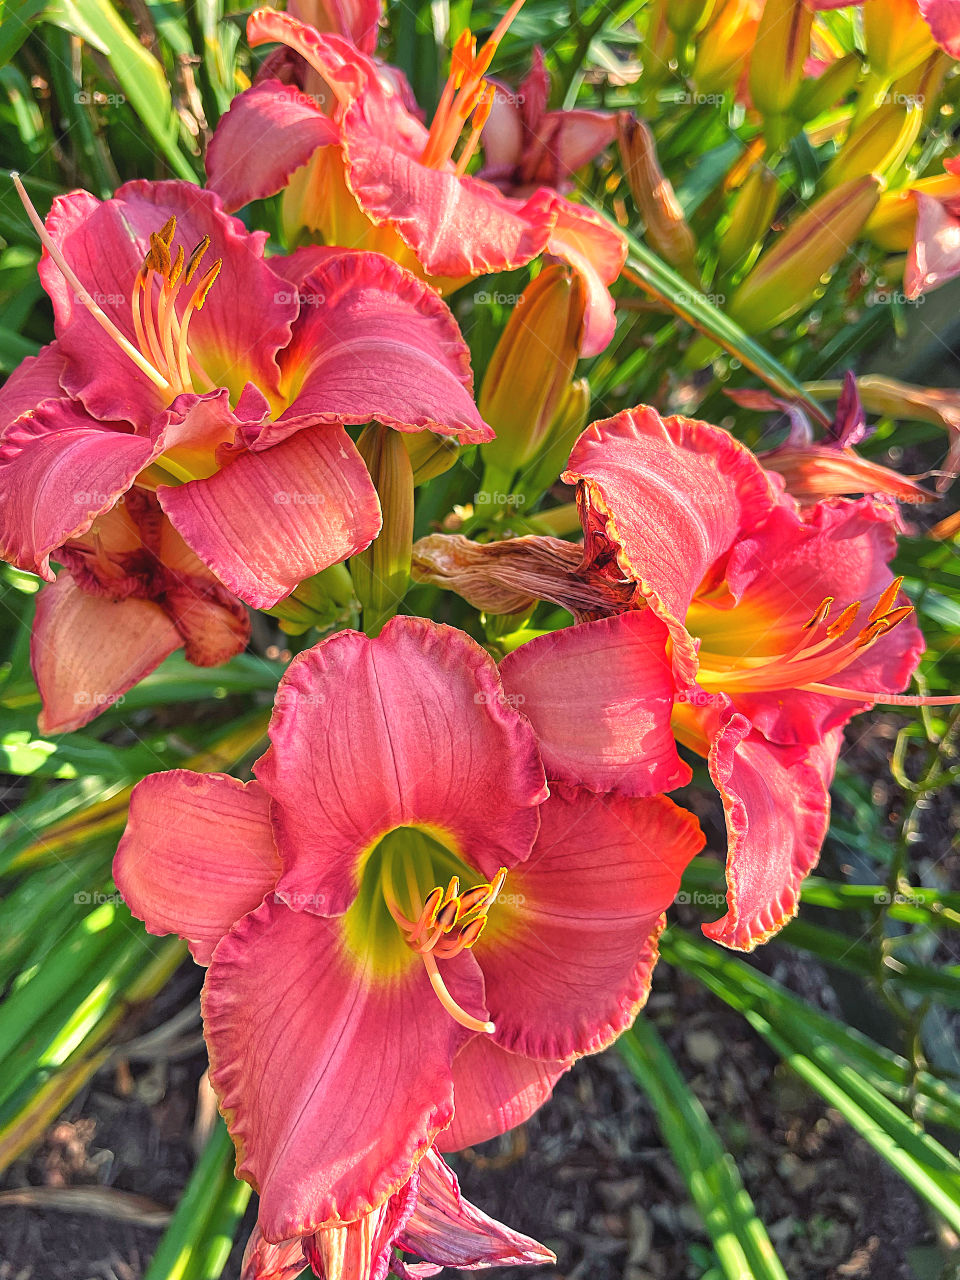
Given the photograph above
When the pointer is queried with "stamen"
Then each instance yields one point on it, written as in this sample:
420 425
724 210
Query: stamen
195 259
886 601
125 345
819 614
161 252
842 624
166 232
465 90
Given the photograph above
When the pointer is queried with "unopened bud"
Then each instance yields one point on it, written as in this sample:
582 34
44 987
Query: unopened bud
570 420
430 455
683 16
816 95
879 145
381 573
751 217
895 37
781 48
532 367
323 601
788 275
723 46
666 227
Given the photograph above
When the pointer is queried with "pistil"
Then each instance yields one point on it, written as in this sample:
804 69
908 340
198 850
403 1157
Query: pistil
162 349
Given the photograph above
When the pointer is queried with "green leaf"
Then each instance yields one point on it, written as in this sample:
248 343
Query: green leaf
740 1239
932 1170
141 77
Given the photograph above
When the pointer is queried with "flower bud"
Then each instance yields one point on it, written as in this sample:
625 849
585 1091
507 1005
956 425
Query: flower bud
323 601
666 227
895 36
531 368
570 420
723 46
879 145
430 455
381 573
753 210
781 47
788 275
816 95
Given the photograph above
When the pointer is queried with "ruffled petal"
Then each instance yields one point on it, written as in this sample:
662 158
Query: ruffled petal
570 945
363 1249
59 469
669 497
448 1230
456 227
266 521
934 256
333 1080
594 248
268 132
196 856
494 1091
34 380
777 805
357 20
599 697
411 728
265 1261
244 322
88 650
781 574
374 342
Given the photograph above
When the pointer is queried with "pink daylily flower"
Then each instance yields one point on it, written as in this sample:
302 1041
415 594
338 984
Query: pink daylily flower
220 388
934 255
777 623
408 939
526 146
427 1218
373 175
130 593
814 469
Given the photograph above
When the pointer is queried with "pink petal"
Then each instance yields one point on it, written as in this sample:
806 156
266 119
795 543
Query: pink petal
455 226
363 1249
265 1261
570 946
339 62
244 322
87 651
494 1091
333 1081
777 804
196 856
502 136
408 729
374 342
574 138
447 1229
357 20
781 574
34 380
943 19
269 131
669 496
600 696
267 521
594 248
59 469
934 257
